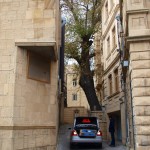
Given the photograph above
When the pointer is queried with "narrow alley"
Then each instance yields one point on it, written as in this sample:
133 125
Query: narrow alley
64 137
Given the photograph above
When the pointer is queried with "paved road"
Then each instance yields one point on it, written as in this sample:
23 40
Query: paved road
63 141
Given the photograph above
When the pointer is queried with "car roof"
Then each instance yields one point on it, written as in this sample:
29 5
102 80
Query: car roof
86 117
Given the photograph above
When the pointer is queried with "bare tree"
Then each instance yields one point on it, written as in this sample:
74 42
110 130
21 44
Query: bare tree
83 20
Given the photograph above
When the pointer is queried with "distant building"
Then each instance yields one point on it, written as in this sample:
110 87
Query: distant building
29 43
75 94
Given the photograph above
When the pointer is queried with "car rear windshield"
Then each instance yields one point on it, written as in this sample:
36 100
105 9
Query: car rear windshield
86 121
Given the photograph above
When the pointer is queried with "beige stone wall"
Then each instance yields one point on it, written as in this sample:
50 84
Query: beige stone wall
108 23
71 112
25 102
34 138
34 101
138 92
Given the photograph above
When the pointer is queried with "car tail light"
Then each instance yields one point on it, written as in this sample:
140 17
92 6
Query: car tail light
74 133
99 133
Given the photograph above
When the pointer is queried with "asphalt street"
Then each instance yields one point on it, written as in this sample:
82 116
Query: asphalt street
64 137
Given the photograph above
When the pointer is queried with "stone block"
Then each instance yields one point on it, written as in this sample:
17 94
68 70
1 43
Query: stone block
38 33
142 120
37 13
48 13
143 140
141 82
18 143
142 110
143 130
140 64
143 148
141 91
7 144
144 101
49 23
12 15
27 24
15 5
8 101
138 46
136 56
2 35
6 25
140 73
29 33
6 112
38 23
29 14
39 140
3 78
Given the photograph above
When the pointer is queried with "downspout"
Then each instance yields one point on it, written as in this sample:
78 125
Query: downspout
132 107
121 51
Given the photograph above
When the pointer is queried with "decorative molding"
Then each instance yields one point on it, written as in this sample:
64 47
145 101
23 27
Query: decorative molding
137 11
112 64
47 49
130 39
111 21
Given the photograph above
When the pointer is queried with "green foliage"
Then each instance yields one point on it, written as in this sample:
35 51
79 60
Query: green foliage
83 19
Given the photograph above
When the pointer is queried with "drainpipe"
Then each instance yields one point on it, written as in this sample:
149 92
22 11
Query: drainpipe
130 71
121 52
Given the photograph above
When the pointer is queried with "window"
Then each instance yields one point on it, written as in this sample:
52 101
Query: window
74 97
110 84
116 80
74 82
108 45
113 38
38 68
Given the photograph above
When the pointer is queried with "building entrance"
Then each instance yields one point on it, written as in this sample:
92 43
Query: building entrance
117 118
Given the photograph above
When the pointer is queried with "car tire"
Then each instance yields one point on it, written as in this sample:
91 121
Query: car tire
71 146
100 145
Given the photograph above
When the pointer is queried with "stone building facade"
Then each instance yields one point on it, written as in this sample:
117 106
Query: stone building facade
136 25
75 94
29 42
113 99
127 51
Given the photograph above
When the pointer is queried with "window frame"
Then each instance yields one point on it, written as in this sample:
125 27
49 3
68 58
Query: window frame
116 79
110 84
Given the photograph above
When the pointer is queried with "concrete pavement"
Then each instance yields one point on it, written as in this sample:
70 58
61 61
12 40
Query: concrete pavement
64 136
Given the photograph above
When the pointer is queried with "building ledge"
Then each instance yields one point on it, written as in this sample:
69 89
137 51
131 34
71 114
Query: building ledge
137 11
131 39
46 49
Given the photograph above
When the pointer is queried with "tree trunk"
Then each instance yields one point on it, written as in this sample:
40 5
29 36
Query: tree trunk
87 84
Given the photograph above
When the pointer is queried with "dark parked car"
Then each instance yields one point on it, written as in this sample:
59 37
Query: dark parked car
86 130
